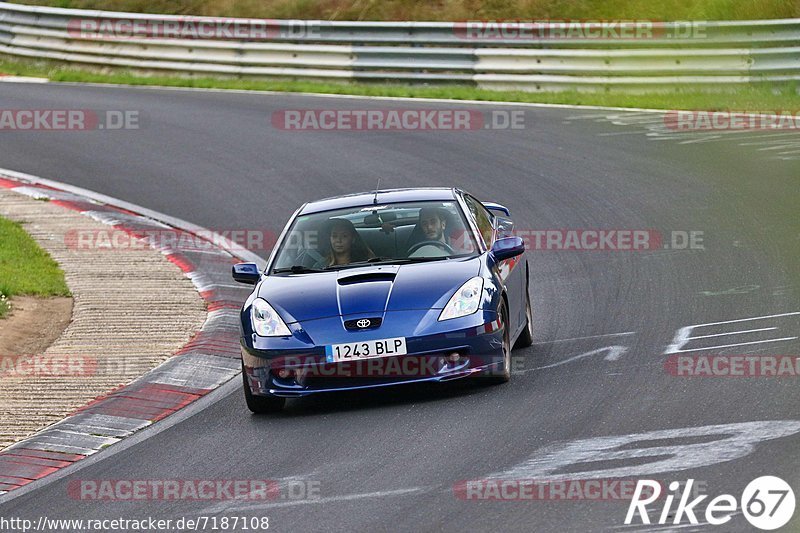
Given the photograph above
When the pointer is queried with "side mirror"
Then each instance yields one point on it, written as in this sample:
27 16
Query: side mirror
507 248
246 273
497 208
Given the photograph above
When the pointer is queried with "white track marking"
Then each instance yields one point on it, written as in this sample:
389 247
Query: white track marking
733 333
746 319
736 344
777 144
316 501
733 441
736 290
683 335
22 79
666 528
588 337
614 353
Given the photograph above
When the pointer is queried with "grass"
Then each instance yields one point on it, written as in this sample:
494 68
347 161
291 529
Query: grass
26 269
444 10
783 97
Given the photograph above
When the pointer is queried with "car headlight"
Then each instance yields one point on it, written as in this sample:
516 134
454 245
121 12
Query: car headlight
465 301
266 321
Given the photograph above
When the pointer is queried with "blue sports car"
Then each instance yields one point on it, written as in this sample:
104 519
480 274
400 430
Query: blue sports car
384 288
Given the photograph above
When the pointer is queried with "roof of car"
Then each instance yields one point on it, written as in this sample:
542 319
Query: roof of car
385 196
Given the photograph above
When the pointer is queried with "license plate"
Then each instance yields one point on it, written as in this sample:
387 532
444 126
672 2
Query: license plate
353 351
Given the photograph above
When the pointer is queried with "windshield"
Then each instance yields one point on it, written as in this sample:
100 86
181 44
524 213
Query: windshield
385 233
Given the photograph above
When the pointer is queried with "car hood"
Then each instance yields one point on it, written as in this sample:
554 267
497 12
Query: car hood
366 291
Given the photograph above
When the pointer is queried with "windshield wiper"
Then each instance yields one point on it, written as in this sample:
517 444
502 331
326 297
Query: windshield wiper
296 269
300 269
396 260
426 259
378 260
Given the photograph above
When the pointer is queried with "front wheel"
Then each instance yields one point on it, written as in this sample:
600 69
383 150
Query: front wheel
525 338
260 404
504 374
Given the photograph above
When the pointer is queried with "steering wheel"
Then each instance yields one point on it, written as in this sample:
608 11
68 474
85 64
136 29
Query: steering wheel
439 244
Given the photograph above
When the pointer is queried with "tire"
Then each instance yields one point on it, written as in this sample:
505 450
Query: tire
505 373
525 338
260 404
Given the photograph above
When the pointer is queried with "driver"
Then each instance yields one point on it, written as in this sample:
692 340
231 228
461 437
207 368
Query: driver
433 223
431 226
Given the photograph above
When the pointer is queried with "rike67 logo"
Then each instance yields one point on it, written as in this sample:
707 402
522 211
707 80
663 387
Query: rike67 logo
767 503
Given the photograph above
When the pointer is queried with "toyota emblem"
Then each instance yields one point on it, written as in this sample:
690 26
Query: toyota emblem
363 323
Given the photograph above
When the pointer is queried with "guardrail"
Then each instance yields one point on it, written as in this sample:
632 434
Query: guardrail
516 56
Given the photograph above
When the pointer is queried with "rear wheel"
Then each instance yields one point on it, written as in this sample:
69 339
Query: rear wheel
504 374
525 338
260 404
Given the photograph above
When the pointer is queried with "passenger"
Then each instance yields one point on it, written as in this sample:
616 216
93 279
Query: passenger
346 245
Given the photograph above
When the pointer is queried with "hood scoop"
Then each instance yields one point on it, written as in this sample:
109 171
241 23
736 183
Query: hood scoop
365 293
367 277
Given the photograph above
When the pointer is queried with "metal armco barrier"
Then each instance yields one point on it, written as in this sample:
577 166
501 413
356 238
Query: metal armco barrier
552 56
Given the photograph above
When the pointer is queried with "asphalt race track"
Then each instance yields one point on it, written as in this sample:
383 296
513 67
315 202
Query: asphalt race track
604 320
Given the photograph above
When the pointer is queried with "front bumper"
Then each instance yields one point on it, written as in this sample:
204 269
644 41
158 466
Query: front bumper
461 348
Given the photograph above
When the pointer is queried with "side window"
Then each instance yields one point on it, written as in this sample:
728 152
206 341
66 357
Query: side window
483 218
